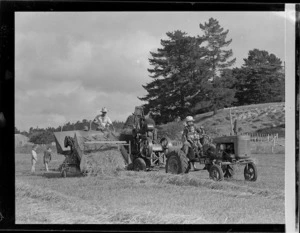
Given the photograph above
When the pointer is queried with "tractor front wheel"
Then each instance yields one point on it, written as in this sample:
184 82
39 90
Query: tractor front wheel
139 164
216 173
177 162
250 172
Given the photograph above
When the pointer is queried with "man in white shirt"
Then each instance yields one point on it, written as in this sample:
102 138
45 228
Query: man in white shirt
33 158
102 120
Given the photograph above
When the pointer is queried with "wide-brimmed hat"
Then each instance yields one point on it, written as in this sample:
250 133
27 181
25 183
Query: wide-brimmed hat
189 118
104 109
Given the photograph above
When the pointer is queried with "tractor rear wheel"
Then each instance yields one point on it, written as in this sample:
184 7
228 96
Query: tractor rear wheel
216 173
177 162
139 165
250 172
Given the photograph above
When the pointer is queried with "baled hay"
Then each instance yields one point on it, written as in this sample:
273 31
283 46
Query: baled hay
108 162
107 136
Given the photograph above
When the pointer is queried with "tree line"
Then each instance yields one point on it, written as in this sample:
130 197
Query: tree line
45 135
192 75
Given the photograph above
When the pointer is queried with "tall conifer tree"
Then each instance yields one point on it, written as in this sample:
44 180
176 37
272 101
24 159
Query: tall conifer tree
215 37
179 76
219 59
261 79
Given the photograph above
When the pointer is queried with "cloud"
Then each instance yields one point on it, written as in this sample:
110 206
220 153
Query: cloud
69 102
56 119
67 73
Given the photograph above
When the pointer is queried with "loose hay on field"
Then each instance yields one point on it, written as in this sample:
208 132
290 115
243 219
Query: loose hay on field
227 187
105 162
64 209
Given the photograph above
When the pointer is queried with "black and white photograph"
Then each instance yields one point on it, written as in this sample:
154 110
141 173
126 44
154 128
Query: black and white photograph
151 117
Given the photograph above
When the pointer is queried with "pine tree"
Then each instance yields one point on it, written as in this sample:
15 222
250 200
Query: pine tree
219 59
179 77
261 79
223 90
215 37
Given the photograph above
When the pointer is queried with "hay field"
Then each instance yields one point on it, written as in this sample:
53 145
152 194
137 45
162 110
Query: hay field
112 195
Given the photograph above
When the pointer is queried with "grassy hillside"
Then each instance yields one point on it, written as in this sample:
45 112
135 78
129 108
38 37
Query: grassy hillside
260 118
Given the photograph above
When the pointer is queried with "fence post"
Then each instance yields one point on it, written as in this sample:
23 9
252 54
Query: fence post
274 143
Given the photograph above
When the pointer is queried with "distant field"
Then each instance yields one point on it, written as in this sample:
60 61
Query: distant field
119 196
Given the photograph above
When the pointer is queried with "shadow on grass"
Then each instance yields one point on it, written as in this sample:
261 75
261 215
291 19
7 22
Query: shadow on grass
55 175
52 175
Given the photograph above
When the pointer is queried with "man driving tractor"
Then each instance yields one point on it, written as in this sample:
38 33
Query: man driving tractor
102 120
191 139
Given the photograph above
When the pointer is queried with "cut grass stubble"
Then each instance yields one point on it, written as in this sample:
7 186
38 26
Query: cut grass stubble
152 197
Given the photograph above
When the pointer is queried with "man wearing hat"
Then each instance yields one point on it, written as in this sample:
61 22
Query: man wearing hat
102 120
191 137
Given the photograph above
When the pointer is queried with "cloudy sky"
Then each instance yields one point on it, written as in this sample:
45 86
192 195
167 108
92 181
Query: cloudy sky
70 65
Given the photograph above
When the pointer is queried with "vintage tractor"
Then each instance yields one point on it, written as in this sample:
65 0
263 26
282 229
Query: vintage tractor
221 155
147 153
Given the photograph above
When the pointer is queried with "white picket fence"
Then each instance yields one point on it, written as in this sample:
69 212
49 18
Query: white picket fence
271 138
263 137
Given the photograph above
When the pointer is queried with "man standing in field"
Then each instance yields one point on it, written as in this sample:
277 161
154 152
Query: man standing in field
102 120
33 158
47 158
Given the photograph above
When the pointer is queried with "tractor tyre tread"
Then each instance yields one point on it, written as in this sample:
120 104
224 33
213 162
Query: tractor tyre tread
218 169
139 164
182 160
254 178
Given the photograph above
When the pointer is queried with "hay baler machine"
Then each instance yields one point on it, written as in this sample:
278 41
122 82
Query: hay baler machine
75 144
147 153
221 156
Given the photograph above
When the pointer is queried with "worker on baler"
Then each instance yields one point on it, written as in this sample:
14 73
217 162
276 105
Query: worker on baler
102 120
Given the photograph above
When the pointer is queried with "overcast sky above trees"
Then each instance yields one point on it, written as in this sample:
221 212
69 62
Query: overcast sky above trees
70 65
